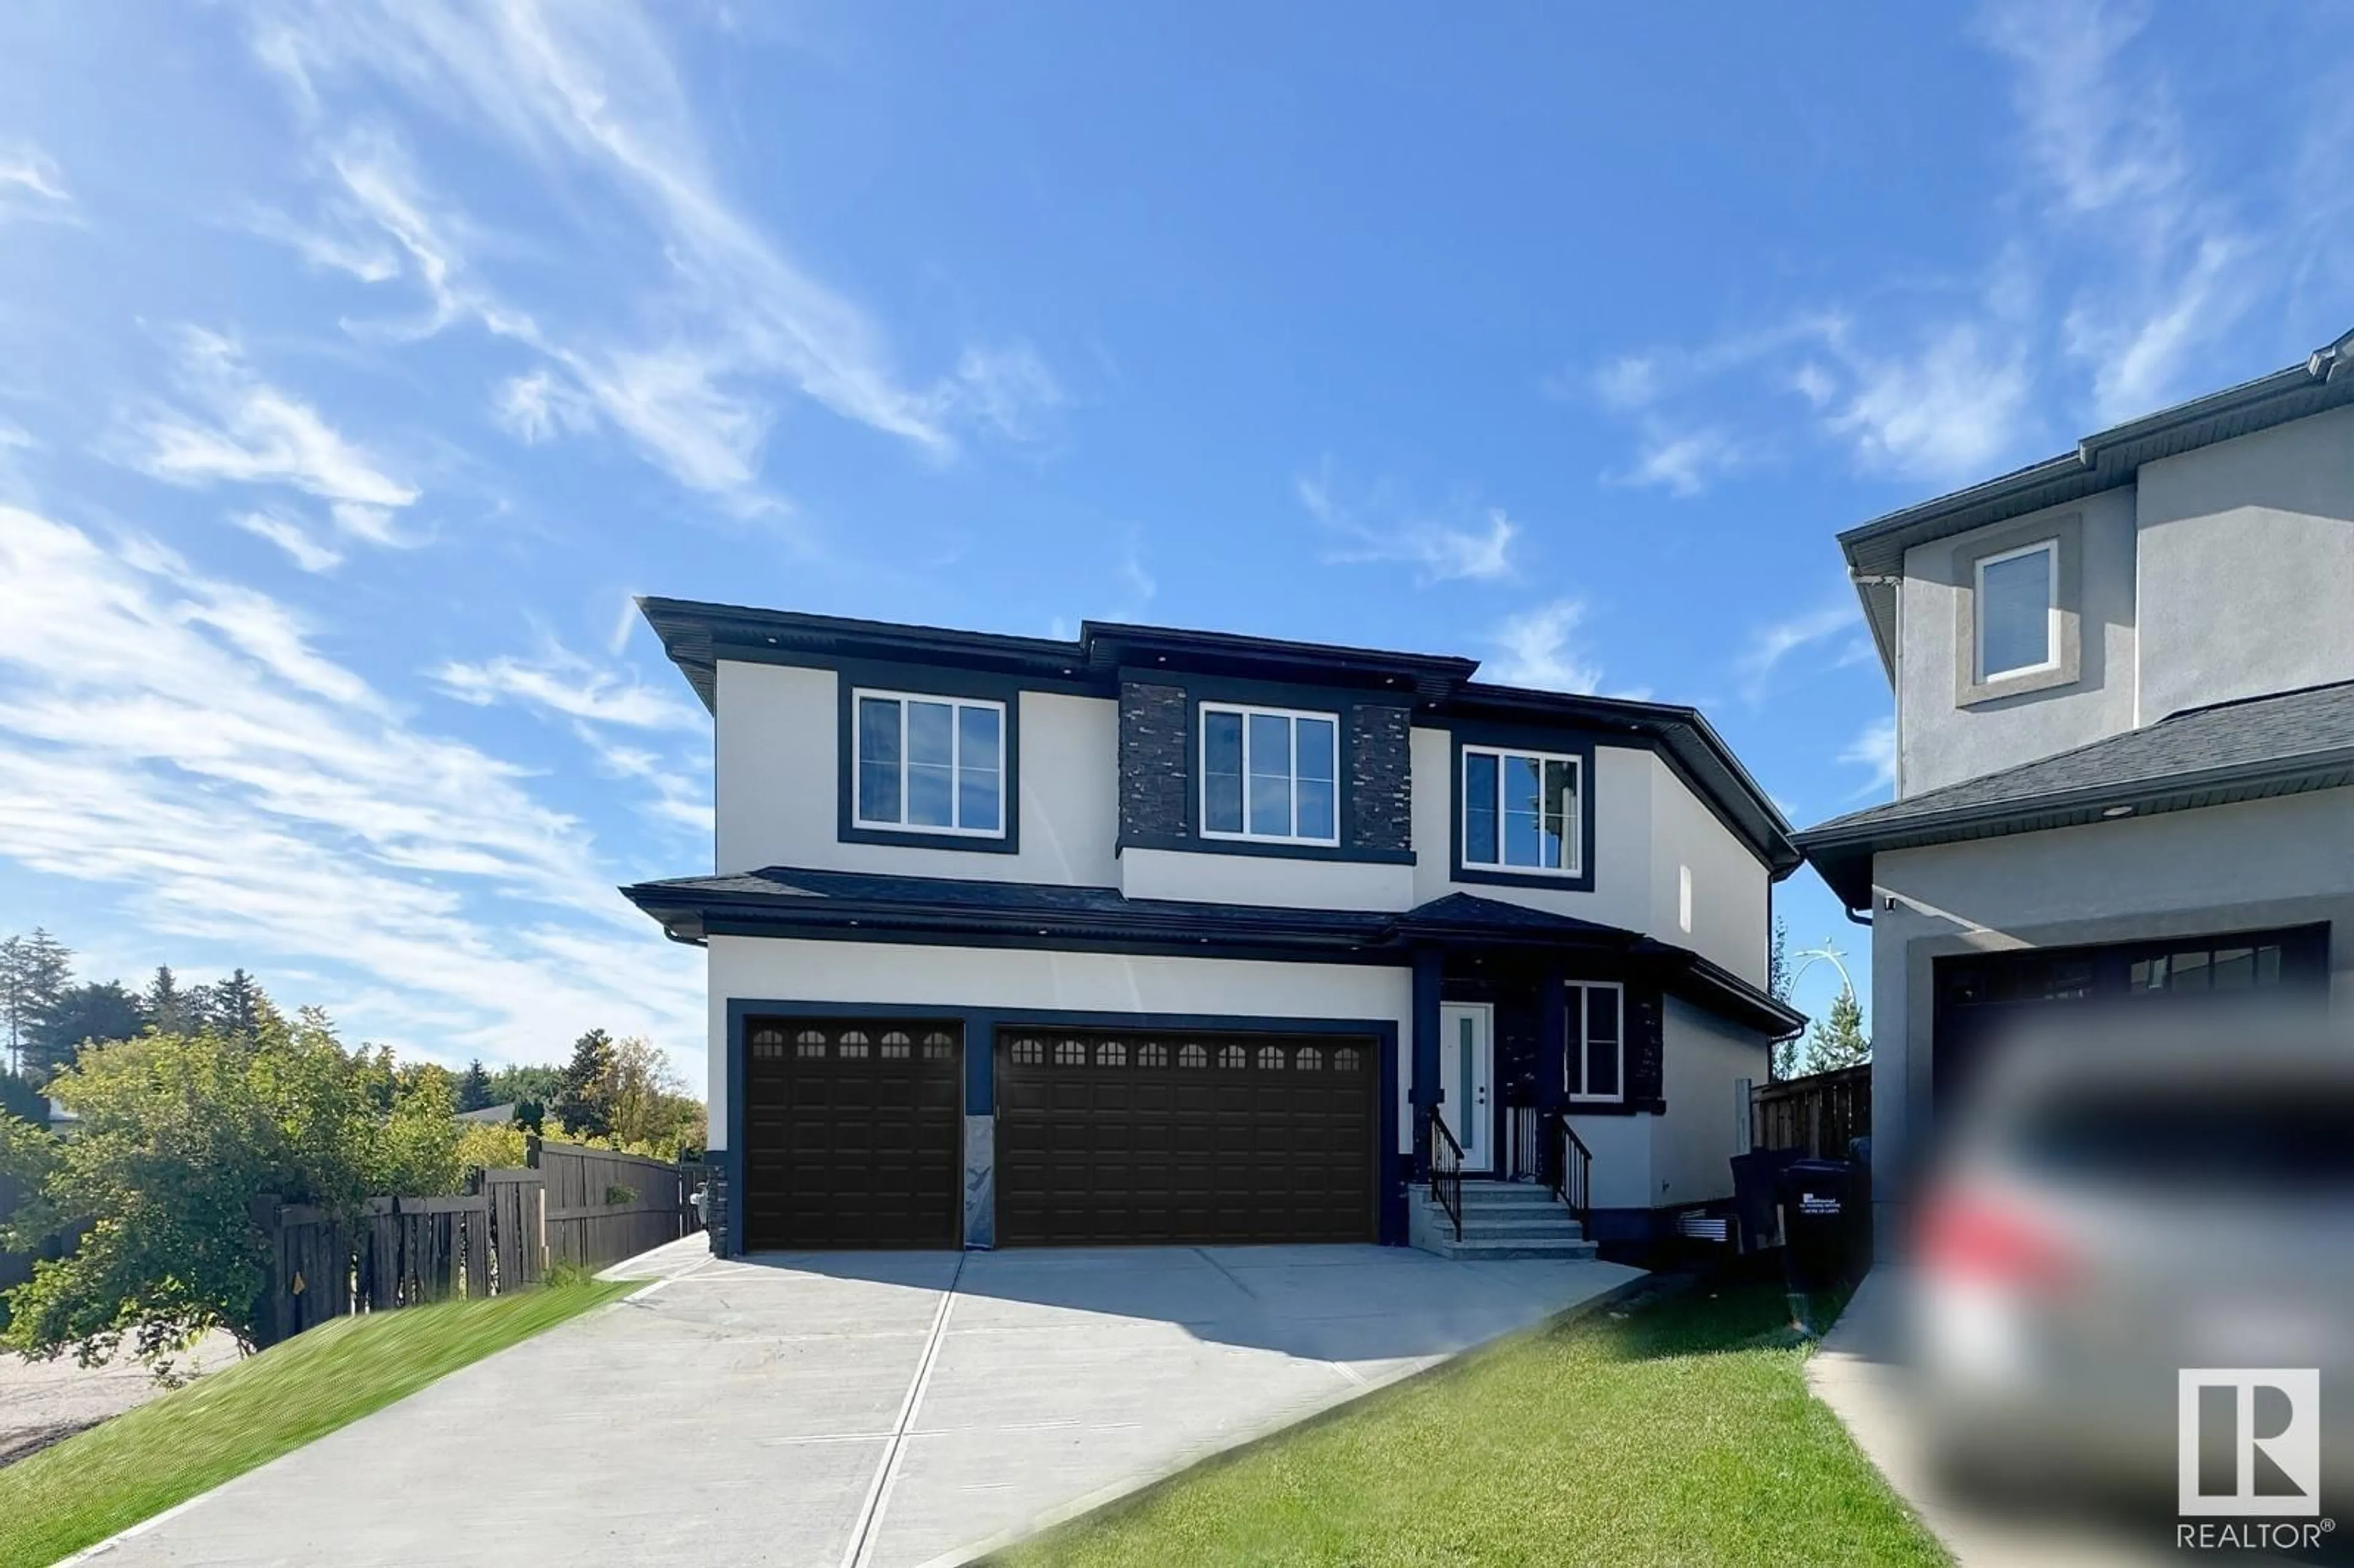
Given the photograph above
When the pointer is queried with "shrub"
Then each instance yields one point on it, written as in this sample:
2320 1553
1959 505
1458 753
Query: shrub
179 1133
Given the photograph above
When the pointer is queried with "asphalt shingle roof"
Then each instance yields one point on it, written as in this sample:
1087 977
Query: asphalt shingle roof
2281 744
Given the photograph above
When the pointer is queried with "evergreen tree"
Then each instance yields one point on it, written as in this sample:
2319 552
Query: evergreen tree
33 973
1838 1040
584 1104
164 1004
474 1087
239 1006
100 1011
1777 961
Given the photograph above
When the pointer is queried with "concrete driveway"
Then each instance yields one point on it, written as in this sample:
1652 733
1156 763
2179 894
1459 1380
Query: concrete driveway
843 1409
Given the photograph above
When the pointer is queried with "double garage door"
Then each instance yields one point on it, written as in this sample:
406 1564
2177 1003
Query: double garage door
1103 1137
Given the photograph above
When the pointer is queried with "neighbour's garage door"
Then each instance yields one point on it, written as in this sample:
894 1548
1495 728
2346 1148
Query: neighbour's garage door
850 1133
1983 996
1120 1138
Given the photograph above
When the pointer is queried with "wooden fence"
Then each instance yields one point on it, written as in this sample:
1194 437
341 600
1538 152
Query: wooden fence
602 1207
572 1205
1819 1115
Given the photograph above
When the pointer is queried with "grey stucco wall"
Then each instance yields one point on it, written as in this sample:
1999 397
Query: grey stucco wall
2247 566
1942 742
2263 863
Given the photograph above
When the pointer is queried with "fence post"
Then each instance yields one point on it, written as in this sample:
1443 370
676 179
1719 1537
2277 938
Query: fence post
274 1316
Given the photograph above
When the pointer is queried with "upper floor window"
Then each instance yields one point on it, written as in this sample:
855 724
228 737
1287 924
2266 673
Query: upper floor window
933 765
2018 594
1270 774
1519 811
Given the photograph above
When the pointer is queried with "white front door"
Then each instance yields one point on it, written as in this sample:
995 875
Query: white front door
1467 1061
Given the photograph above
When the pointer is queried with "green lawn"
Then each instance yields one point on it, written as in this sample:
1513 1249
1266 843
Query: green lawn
115 1475
1679 1432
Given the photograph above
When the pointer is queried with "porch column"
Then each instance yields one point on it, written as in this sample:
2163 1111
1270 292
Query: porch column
1429 969
1552 1036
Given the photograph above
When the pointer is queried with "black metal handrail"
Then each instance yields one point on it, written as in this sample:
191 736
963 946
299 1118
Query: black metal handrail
1446 1169
1571 1176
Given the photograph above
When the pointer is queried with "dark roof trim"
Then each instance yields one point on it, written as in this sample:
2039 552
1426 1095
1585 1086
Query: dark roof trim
697 635
785 902
1841 852
2102 461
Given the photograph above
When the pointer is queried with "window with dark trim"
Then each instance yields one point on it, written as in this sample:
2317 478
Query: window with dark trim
1270 774
928 764
1594 1058
1519 811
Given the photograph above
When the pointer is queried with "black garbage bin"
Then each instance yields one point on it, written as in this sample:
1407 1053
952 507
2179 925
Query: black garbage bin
1818 1223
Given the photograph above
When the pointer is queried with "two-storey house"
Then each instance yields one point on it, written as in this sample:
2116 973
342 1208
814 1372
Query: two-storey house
1160 936
2125 728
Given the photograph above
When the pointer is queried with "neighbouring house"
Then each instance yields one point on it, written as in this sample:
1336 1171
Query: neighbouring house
2124 738
492 1116
1161 936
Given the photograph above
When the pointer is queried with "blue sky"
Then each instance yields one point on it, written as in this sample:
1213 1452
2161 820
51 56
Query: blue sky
358 361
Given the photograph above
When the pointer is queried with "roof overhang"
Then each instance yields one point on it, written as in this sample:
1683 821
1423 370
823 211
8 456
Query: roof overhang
1843 855
693 909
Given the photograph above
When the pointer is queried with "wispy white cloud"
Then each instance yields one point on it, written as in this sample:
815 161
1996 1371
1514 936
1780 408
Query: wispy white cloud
184 744
678 801
342 245
1537 651
2125 259
1874 746
1953 405
591 89
562 682
1466 543
290 535
1682 463
2108 141
31 185
238 429
537 407
1774 643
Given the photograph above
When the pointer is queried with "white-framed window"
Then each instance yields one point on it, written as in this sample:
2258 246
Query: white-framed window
1521 811
1683 899
2018 597
1594 1057
928 764
1270 774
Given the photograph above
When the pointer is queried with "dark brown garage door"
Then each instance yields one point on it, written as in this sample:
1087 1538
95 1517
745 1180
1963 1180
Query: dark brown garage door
851 1135
1111 1138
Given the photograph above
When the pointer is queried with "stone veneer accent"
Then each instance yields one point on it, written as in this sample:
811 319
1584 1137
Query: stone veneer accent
1152 761
1381 778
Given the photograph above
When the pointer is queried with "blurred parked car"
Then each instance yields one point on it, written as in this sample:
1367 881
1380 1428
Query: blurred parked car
2115 1206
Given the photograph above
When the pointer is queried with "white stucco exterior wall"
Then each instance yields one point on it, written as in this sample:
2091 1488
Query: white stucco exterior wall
2247 566
1622 1158
1268 880
1729 887
780 782
1694 1141
773 969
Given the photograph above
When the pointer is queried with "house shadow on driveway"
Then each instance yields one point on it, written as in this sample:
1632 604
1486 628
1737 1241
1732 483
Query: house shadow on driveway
1336 1304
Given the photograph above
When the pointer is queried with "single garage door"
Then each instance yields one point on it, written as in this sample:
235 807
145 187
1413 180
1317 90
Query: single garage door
1983 998
1130 1137
850 1133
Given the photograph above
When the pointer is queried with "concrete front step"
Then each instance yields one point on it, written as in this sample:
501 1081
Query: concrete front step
1538 1226
1507 1195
